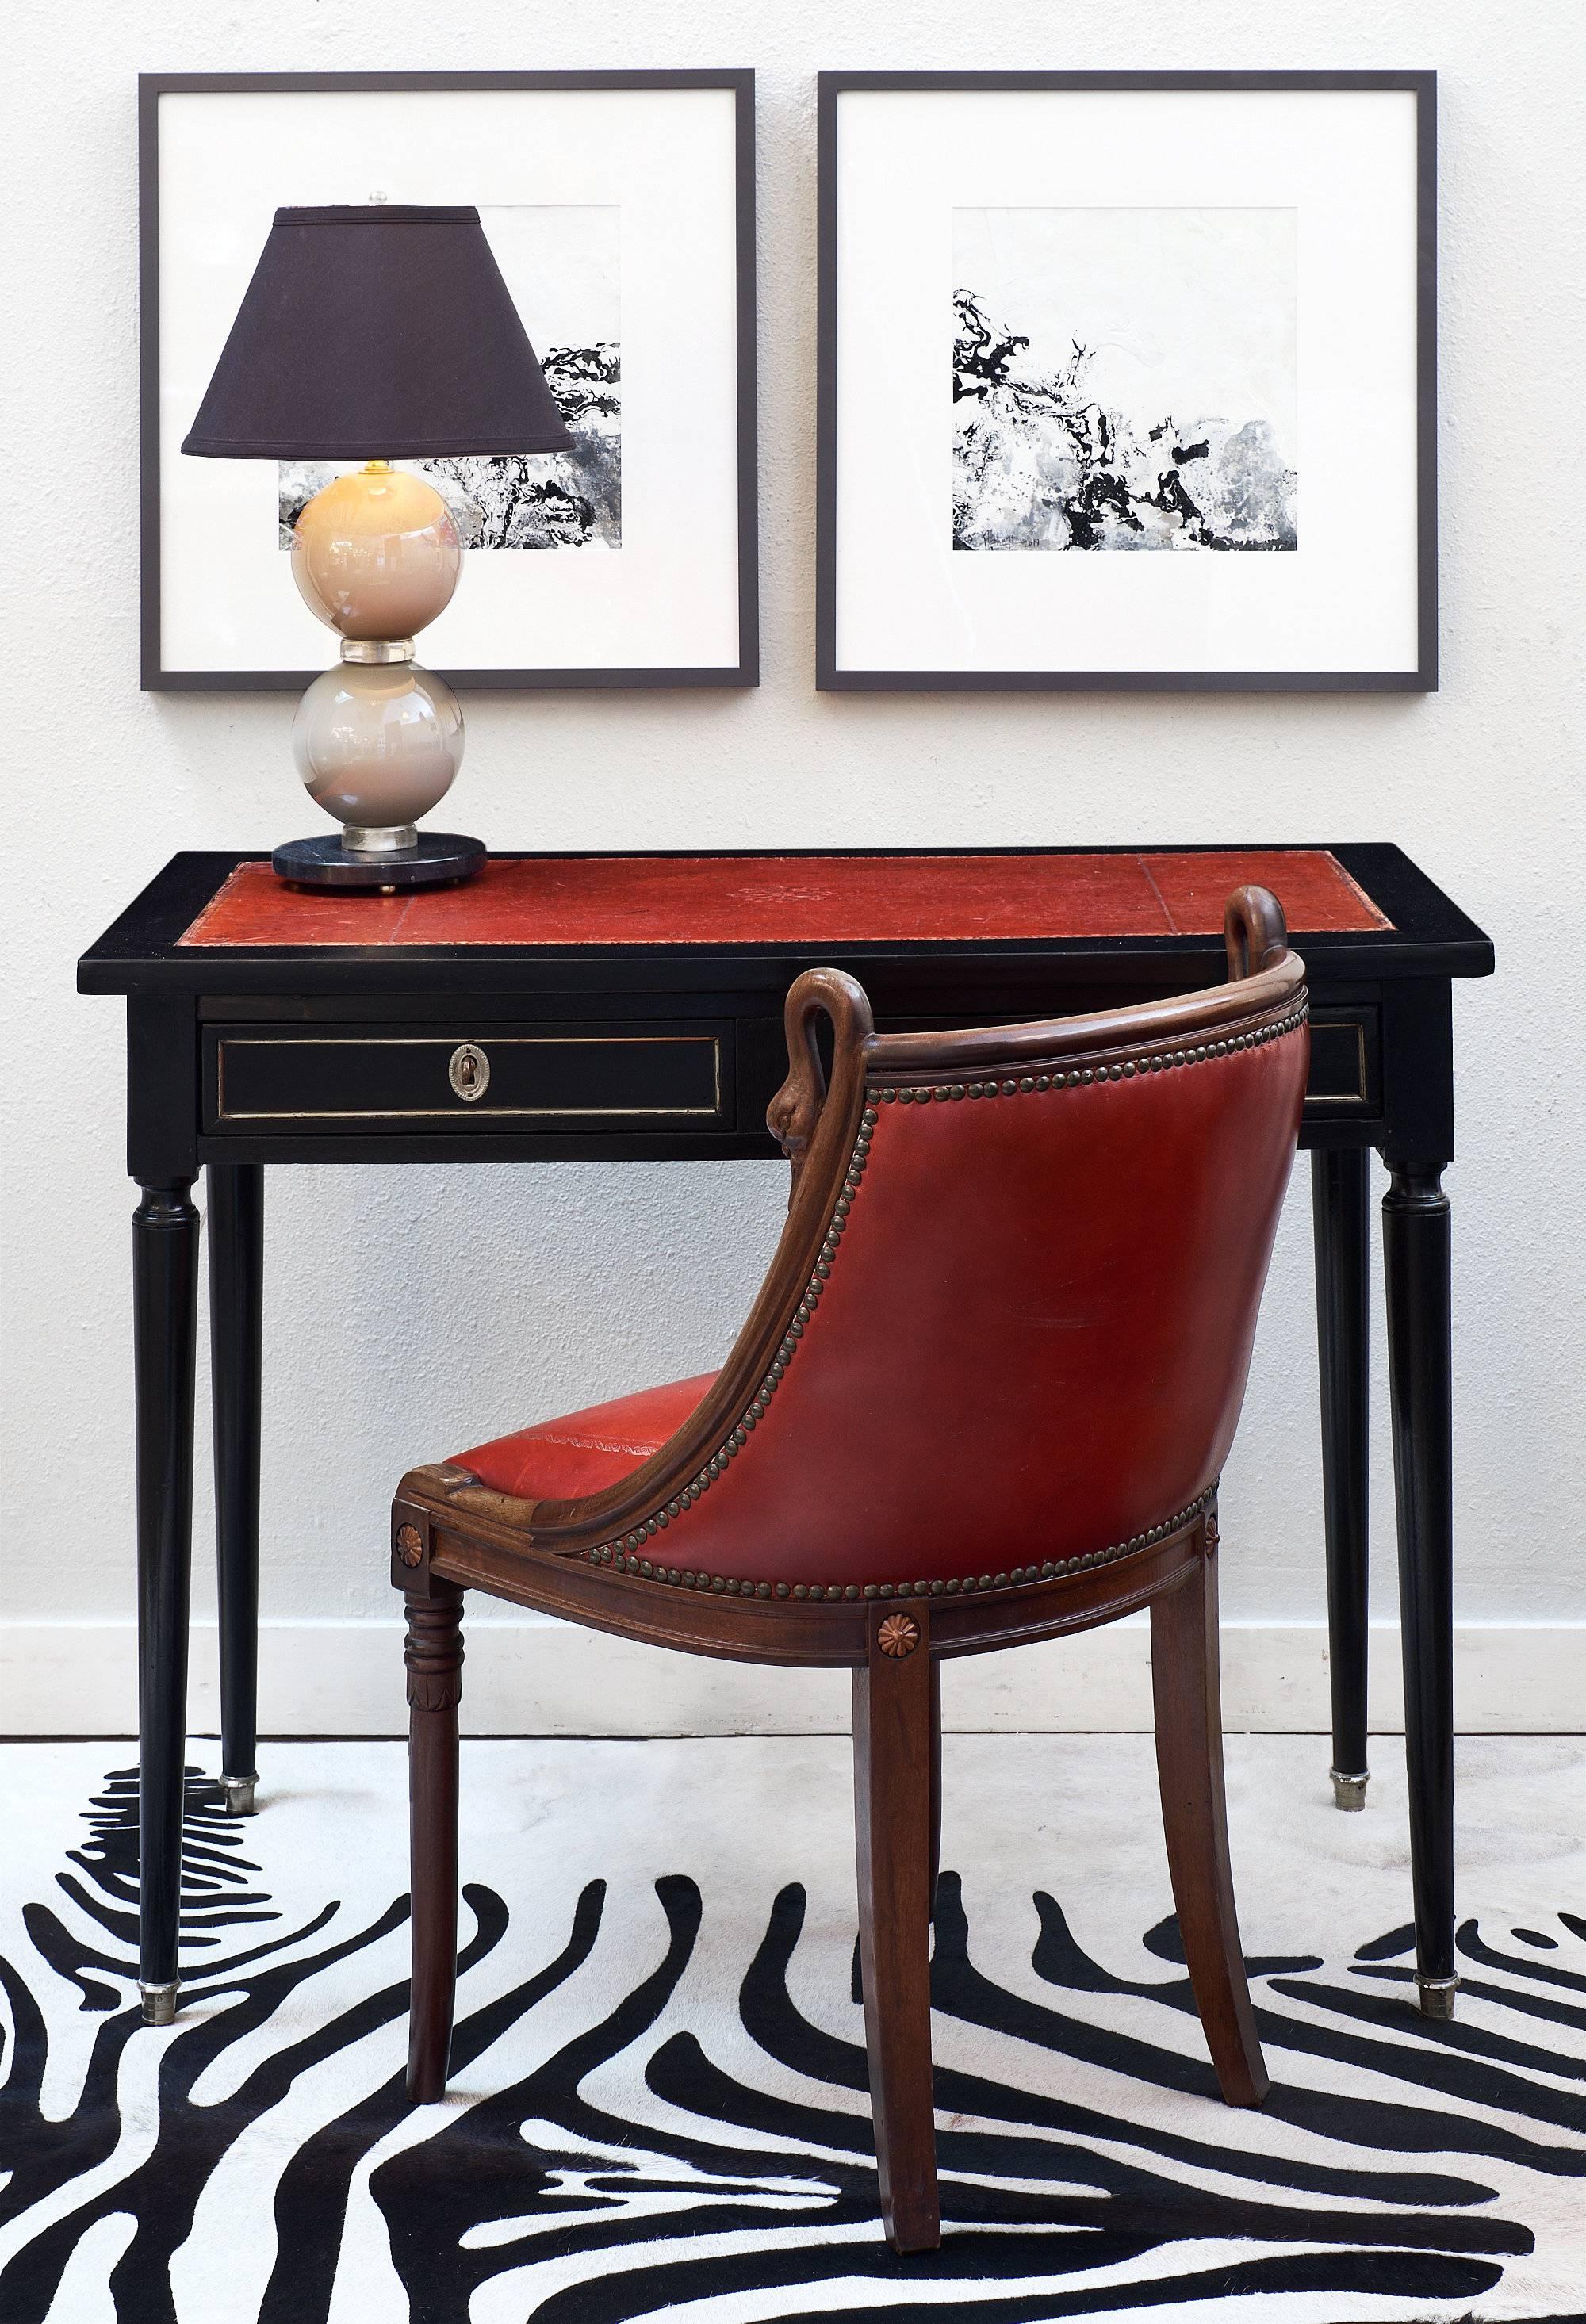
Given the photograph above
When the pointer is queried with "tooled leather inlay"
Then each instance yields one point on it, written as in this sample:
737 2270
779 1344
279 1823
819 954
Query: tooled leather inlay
803 899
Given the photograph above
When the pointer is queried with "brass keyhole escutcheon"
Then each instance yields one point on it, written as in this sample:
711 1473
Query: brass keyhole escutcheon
469 1072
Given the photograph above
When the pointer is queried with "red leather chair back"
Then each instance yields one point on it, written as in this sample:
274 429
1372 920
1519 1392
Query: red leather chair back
1026 1340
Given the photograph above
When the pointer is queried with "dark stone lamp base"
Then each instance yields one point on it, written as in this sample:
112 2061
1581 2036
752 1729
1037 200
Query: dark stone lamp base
437 859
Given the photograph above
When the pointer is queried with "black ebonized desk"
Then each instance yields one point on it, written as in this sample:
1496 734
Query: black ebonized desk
629 1008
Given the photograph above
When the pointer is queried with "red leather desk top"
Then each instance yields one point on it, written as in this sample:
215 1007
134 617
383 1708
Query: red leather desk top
796 899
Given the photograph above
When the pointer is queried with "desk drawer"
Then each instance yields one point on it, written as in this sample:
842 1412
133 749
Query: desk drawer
422 1078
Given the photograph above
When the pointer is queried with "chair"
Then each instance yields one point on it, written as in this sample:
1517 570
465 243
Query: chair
982 1397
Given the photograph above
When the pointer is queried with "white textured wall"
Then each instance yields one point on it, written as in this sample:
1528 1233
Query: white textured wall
420 1309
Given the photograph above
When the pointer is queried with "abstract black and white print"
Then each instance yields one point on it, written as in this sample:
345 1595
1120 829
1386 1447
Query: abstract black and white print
562 264
658 2099
1124 379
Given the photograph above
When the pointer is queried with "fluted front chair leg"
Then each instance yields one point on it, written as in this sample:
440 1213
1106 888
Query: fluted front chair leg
434 1657
893 1700
1186 1684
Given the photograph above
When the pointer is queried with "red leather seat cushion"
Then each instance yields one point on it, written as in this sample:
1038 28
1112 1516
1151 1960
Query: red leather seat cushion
585 1452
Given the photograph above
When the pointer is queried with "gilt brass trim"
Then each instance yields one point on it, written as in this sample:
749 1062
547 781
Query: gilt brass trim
1360 1096
495 1113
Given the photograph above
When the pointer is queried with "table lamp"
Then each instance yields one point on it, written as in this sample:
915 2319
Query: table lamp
377 333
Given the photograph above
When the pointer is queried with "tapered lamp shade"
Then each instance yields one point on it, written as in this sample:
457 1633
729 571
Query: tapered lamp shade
380 332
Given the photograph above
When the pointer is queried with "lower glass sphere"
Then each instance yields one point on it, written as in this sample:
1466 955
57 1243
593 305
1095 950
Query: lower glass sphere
378 743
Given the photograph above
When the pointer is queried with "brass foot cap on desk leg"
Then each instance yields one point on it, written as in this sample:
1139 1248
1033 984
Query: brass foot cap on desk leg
158 2003
239 1794
1348 1791
1437 1996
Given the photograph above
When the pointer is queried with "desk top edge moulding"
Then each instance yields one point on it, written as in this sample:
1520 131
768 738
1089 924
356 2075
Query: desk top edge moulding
1192 317
209 919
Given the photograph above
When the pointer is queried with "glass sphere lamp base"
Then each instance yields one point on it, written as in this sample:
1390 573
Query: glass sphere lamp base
377 740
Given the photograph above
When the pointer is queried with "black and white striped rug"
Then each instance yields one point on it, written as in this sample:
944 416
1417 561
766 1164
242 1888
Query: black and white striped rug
658 2103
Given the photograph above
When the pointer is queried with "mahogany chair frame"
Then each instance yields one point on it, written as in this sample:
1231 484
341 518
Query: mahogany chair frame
599 1560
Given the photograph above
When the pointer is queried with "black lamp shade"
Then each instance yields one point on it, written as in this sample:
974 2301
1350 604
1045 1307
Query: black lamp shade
376 333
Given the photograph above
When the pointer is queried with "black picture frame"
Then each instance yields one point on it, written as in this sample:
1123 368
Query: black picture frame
1421 680
154 675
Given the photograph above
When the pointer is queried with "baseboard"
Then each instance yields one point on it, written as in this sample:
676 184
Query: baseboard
540 1677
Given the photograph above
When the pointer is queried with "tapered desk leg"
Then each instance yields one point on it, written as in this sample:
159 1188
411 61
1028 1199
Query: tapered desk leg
237 1289
1339 1205
165 1288
1415 1244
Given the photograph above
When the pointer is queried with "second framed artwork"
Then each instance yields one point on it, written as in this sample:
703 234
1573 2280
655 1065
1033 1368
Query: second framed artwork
620 207
1127 380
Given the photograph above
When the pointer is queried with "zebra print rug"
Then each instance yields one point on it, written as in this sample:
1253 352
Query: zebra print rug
658 2106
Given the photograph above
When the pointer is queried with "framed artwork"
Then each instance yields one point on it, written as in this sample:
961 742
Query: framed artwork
620 207
1127 380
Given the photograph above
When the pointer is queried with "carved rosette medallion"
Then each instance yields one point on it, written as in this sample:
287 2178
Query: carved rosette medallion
899 1635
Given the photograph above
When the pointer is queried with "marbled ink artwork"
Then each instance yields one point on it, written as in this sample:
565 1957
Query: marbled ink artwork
562 264
1124 379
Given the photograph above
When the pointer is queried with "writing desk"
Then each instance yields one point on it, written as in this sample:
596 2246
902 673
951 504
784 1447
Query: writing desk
579 1007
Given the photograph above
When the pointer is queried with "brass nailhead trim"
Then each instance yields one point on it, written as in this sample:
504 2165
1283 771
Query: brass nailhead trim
1016 1577
617 1554
1156 1061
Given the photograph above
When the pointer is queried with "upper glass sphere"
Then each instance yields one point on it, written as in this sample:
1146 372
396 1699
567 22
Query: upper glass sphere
376 554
